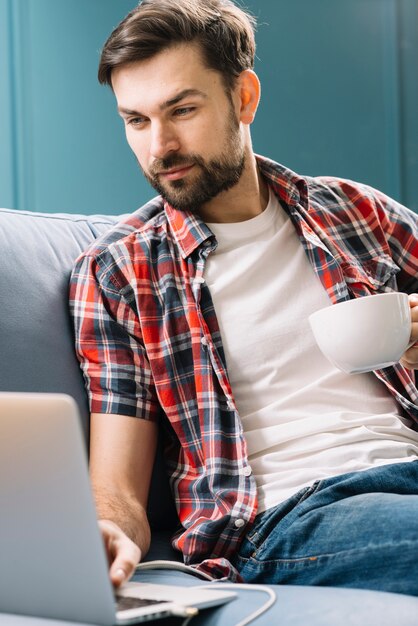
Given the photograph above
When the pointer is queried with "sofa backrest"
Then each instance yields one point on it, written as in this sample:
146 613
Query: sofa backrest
37 253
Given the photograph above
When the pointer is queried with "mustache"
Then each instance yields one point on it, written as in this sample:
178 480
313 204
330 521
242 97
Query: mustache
175 160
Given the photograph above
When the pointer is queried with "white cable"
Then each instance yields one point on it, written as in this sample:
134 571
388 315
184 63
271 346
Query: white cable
249 587
173 565
181 567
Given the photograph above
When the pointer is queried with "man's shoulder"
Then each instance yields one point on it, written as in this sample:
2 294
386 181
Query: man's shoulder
342 196
341 188
338 202
322 193
144 223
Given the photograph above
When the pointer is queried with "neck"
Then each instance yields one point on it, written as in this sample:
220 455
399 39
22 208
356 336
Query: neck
247 199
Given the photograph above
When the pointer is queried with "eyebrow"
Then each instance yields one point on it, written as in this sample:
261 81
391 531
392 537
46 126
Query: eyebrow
185 93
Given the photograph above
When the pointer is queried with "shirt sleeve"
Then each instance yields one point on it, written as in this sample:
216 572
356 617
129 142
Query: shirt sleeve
378 222
109 345
401 227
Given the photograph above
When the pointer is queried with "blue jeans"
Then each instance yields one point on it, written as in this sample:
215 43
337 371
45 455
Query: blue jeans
354 530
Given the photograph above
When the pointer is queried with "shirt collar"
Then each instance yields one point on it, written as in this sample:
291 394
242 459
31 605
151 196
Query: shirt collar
291 188
190 231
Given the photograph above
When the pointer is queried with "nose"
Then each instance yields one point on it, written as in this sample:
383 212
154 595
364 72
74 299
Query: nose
163 140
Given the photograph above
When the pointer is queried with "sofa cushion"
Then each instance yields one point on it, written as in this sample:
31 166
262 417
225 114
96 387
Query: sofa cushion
295 605
37 253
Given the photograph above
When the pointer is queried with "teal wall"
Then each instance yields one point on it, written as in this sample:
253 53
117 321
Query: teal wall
339 96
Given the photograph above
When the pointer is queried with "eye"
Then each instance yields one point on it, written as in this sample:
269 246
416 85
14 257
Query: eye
182 111
135 121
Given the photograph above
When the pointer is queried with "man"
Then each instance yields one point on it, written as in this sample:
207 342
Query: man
192 315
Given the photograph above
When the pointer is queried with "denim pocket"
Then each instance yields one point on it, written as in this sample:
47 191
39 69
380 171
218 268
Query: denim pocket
268 521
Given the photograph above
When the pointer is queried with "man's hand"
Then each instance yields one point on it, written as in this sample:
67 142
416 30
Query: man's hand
410 358
122 451
123 554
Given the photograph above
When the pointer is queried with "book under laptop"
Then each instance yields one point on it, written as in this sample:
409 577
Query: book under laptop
53 561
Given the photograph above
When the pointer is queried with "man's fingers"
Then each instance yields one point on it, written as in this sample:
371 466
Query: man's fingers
126 557
122 553
410 358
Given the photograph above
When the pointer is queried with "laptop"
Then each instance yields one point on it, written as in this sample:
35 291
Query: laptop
53 561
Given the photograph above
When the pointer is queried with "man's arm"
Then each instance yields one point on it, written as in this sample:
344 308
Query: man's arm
122 451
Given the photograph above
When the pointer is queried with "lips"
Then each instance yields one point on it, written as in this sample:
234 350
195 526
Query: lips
176 172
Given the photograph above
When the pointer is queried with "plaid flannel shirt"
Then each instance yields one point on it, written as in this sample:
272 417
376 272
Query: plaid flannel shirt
150 347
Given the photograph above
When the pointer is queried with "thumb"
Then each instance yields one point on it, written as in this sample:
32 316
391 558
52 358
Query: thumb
413 299
125 560
119 575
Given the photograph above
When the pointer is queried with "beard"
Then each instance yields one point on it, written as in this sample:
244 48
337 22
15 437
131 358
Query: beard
216 175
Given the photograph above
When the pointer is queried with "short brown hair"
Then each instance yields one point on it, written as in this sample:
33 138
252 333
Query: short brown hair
224 32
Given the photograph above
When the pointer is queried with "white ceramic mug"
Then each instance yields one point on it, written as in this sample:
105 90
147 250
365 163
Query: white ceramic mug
364 334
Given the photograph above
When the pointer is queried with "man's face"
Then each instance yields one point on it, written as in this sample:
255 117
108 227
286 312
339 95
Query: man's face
182 126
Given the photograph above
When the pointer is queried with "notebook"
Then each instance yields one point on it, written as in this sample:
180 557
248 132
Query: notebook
53 562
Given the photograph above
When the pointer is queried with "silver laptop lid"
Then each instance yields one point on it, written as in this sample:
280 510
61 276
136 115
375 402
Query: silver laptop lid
45 496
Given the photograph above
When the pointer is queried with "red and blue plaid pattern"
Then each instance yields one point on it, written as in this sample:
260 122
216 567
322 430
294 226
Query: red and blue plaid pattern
149 343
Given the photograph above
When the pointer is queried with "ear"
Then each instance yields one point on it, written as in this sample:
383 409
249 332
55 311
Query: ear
249 91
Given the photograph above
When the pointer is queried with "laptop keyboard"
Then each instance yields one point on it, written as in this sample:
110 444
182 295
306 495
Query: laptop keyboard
123 603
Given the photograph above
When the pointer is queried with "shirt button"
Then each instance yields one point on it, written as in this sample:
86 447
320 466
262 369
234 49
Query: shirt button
204 341
239 523
247 471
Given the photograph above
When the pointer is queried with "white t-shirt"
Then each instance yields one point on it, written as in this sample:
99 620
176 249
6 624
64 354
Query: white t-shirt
303 419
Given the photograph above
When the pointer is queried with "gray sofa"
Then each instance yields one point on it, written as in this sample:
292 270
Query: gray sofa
37 252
